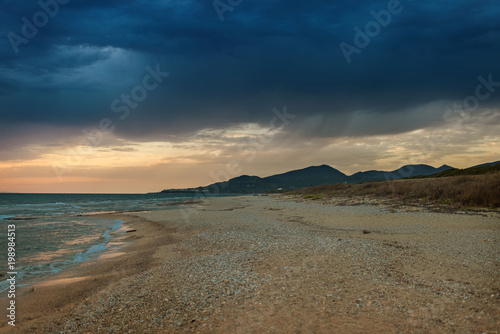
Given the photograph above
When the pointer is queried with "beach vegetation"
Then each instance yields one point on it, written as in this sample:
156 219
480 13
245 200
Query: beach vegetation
313 196
458 191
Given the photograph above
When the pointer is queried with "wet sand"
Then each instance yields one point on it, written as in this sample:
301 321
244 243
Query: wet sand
45 304
255 264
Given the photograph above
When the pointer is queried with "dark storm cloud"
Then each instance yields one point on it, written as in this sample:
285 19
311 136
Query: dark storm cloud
264 54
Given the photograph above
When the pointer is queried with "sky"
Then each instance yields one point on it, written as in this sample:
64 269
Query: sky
138 96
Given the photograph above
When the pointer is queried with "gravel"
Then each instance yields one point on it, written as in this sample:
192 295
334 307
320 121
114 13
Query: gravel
255 264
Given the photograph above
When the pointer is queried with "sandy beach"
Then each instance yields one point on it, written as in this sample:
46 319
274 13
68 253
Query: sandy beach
259 264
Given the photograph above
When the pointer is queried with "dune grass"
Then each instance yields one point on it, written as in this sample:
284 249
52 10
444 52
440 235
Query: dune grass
459 191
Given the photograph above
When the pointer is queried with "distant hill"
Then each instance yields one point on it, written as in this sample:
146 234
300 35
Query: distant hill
492 167
315 175
324 174
306 177
310 176
405 171
487 164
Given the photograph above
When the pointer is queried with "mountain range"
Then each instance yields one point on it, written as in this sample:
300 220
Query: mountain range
311 176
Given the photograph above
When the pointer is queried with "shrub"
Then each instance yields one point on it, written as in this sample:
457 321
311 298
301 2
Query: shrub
313 197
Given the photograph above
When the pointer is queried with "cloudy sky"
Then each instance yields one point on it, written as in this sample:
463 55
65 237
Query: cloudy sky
138 96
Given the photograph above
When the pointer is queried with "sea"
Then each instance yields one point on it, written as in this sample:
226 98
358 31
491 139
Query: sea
56 231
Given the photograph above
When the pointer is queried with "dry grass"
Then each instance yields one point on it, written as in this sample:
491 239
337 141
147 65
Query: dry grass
460 191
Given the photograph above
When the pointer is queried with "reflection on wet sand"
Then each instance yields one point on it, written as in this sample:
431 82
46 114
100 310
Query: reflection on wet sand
60 281
110 255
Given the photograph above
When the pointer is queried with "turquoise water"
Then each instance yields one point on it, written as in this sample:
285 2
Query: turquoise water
55 231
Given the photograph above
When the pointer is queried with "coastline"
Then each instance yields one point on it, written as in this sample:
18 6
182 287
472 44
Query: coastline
268 264
129 254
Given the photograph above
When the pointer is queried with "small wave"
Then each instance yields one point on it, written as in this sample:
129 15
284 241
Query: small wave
93 213
20 218
39 204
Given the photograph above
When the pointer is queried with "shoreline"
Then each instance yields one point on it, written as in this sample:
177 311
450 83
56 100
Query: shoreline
268 264
110 245
58 292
